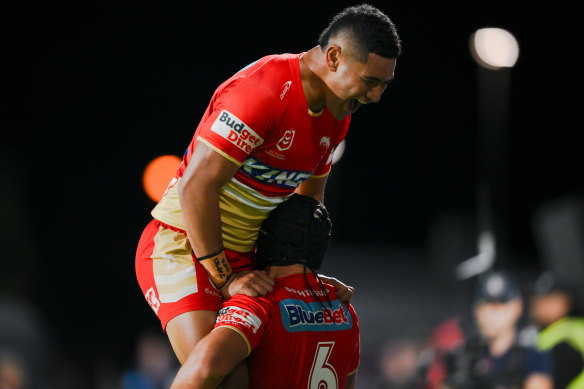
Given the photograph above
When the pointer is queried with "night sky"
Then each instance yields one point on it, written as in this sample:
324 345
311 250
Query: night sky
96 92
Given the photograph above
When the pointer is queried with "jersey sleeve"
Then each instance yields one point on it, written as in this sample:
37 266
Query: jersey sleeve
247 316
240 117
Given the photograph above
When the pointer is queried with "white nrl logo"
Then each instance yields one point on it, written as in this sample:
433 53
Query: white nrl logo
286 141
325 142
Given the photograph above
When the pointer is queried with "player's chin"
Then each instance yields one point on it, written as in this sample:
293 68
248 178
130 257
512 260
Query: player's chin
346 109
353 105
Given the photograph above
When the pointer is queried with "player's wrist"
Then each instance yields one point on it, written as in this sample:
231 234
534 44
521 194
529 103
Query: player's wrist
217 267
225 288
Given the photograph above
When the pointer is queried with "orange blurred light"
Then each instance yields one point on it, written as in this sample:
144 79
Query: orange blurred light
158 174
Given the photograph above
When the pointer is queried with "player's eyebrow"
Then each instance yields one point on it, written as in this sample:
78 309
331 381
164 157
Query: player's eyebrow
378 80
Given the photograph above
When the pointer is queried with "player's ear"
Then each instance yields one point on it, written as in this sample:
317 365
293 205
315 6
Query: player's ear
332 57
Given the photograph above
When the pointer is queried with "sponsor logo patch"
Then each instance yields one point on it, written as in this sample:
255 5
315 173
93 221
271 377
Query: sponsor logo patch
236 131
275 154
213 293
239 317
264 173
152 299
286 141
298 315
325 142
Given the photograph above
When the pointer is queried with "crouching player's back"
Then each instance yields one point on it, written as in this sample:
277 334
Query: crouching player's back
300 335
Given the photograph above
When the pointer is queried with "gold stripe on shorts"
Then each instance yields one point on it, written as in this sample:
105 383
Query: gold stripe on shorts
173 266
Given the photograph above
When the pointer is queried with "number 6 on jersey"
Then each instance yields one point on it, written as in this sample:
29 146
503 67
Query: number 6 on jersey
322 374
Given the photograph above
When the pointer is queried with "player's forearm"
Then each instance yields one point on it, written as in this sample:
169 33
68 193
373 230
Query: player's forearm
196 377
200 370
200 208
212 359
203 226
198 190
195 383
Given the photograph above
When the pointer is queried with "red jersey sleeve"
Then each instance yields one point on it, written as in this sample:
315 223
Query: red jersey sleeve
242 113
249 317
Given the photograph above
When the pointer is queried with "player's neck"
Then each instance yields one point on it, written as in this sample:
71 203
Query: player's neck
284 271
312 83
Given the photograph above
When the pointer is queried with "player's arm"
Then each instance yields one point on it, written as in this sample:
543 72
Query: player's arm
199 187
213 358
313 187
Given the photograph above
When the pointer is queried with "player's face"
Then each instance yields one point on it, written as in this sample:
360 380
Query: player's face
355 83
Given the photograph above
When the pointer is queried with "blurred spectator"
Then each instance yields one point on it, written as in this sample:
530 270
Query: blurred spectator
399 364
156 365
27 353
12 372
446 338
486 352
561 331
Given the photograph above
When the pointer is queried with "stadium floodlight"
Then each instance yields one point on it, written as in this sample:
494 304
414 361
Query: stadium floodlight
494 48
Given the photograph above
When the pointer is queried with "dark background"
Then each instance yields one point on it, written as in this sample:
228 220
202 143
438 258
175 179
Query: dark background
96 92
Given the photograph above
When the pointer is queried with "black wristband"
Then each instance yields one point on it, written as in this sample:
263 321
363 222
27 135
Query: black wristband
210 255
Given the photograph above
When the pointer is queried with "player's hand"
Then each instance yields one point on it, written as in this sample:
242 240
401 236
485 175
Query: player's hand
344 292
250 283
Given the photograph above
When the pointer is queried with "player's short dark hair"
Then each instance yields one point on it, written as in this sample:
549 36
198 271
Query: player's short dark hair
368 28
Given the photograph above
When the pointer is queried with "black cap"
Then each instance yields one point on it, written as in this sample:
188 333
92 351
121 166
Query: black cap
548 283
497 286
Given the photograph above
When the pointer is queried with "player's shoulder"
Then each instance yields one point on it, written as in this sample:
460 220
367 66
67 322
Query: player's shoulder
263 83
270 62
258 305
269 72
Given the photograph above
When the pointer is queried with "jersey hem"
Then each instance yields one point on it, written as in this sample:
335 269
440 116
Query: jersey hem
242 335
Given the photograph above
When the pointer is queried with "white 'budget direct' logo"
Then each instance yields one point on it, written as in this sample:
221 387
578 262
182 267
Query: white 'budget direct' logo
234 130
239 316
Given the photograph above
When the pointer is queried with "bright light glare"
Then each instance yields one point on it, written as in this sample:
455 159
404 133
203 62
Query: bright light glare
494 48
481 262
158 175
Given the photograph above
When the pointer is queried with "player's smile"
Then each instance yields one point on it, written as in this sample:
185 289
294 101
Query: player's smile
360 83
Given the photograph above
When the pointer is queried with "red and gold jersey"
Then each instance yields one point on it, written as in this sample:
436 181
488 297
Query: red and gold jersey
259 120
289 331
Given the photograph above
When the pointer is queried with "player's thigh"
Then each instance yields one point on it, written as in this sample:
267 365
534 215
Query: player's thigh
175 285
186 329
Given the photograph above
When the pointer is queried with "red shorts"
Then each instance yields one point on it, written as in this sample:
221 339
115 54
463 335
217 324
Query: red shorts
172 280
